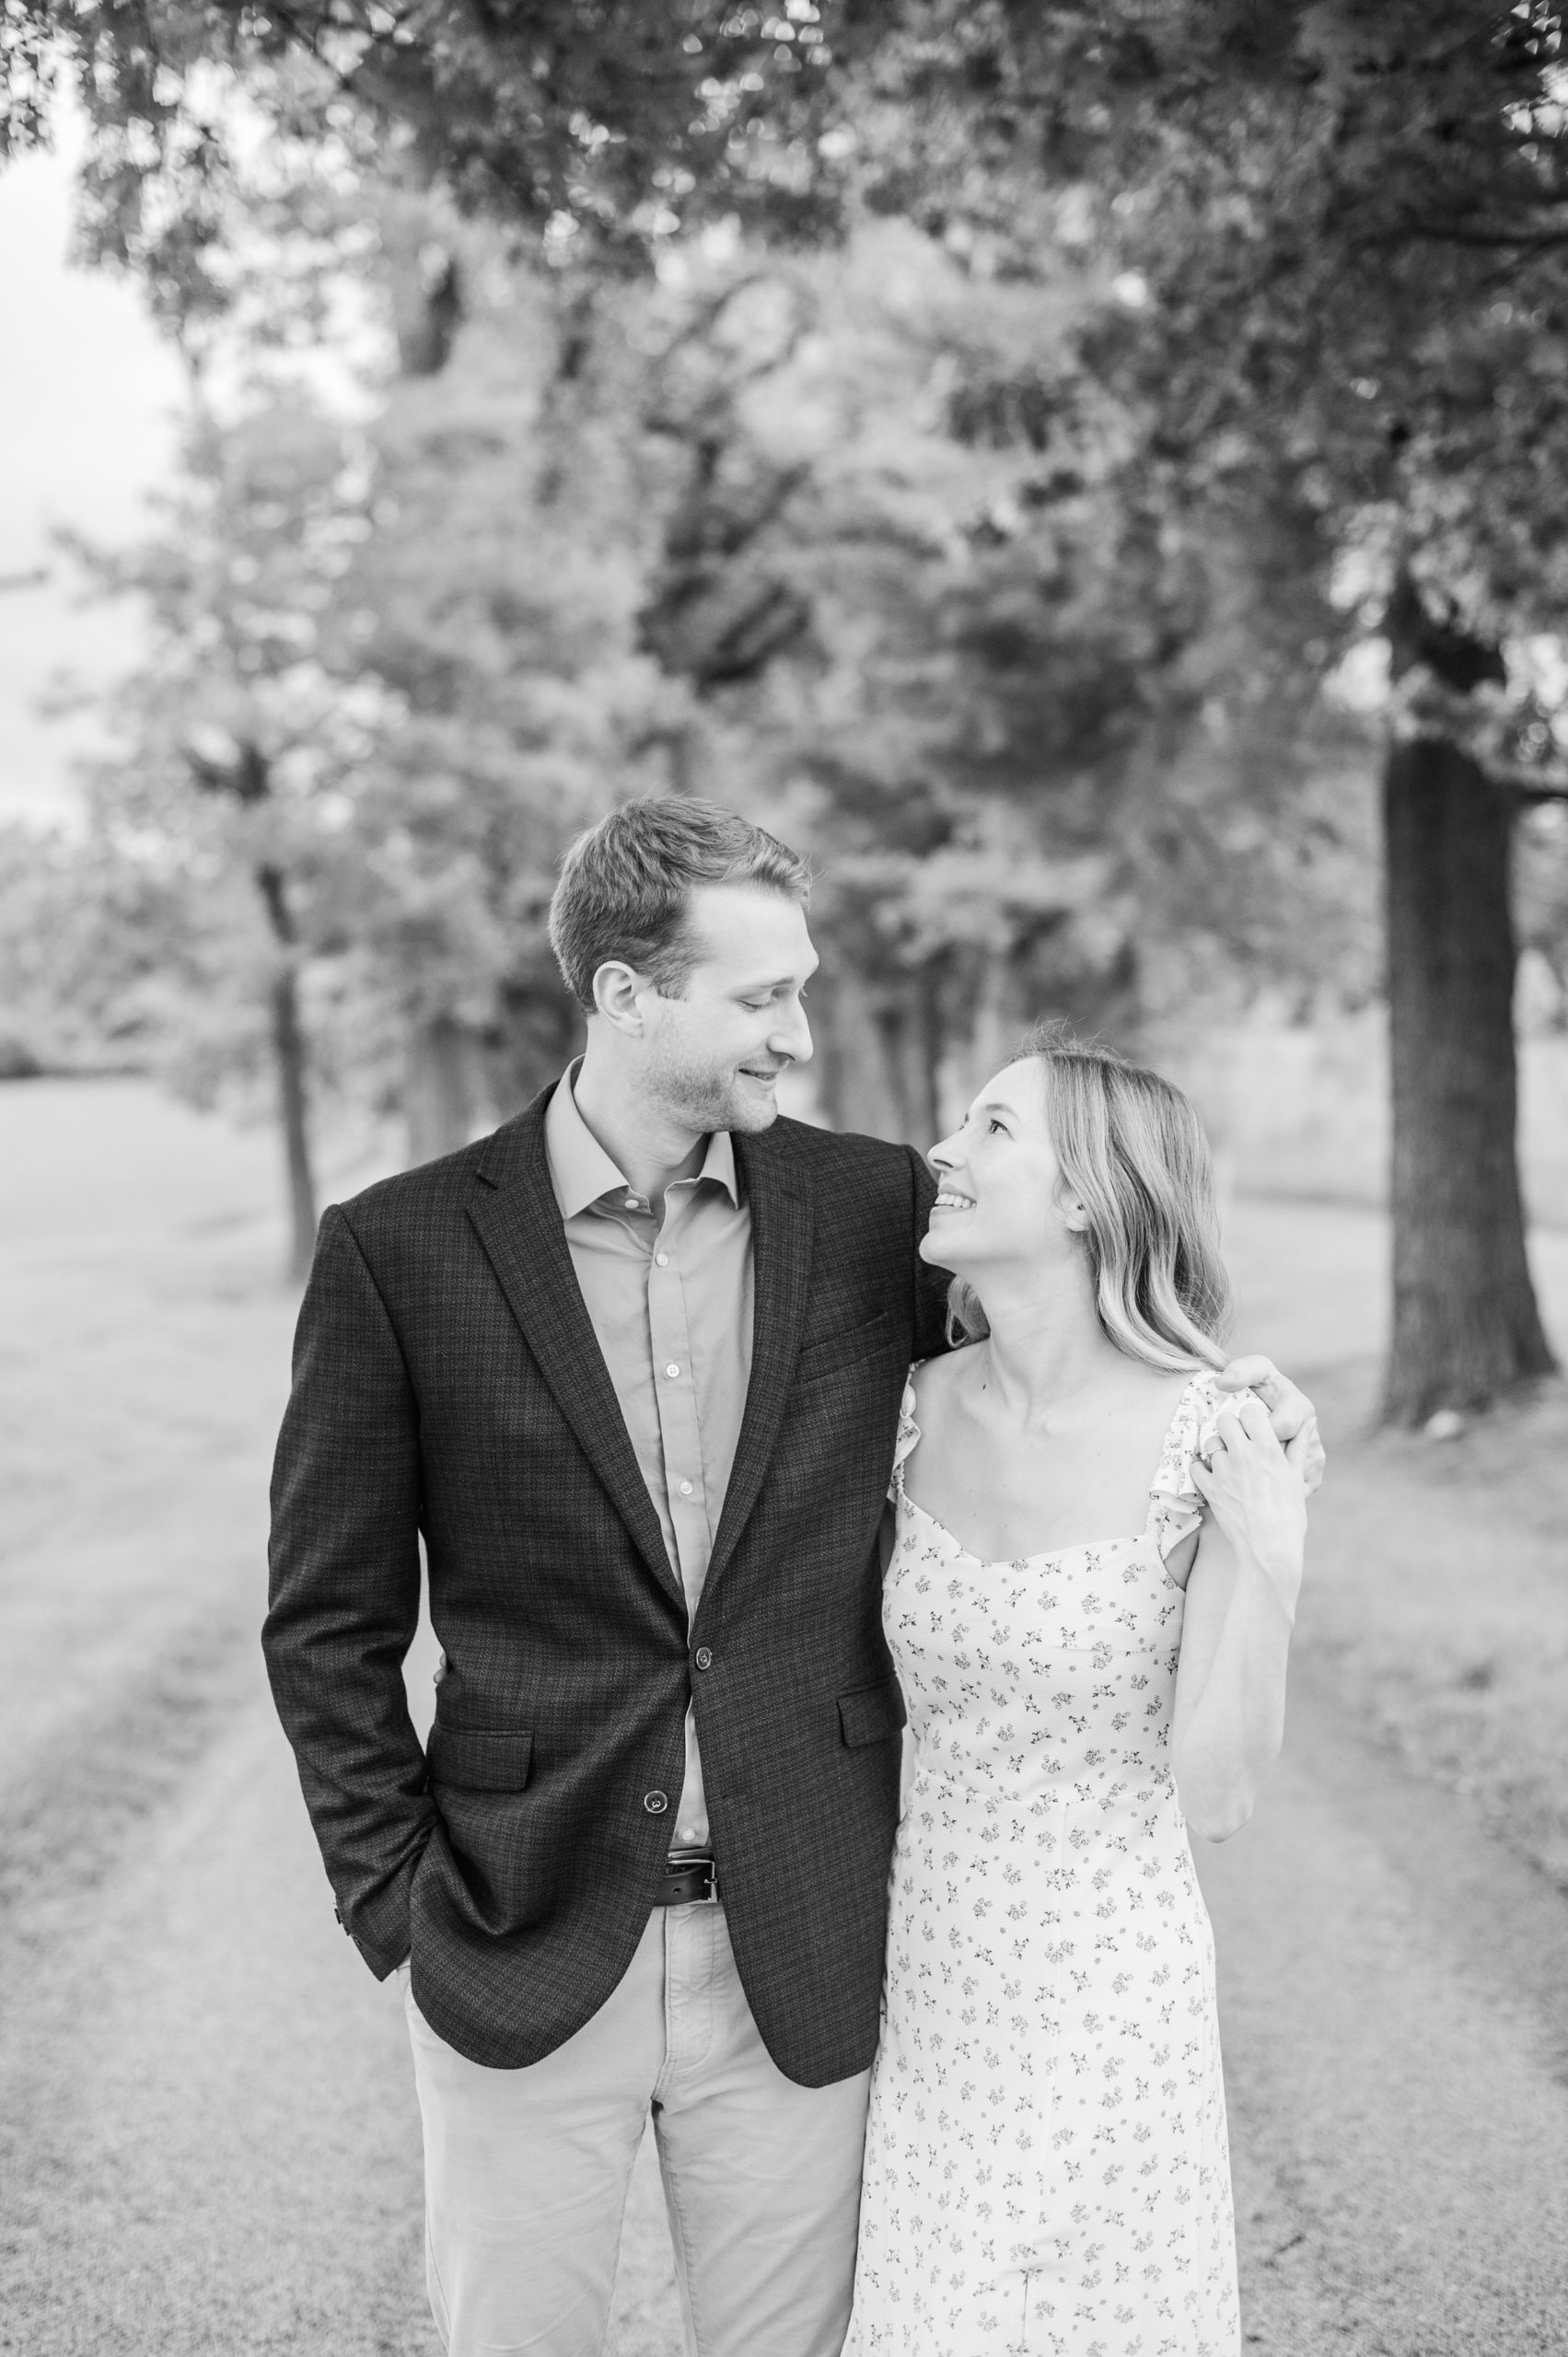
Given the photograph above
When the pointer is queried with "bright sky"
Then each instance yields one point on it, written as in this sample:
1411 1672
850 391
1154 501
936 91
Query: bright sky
89 396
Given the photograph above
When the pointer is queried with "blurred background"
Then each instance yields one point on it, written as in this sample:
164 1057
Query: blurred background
1092 478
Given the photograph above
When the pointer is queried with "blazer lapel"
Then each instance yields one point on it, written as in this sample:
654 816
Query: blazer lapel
781 1248
519 1223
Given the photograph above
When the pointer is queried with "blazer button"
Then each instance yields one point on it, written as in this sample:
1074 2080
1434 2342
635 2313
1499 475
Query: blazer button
655 1803
704 1657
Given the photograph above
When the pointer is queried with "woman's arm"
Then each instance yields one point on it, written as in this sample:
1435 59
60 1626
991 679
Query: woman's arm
1241 1593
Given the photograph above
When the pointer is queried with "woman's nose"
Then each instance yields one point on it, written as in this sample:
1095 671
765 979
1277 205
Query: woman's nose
944 1154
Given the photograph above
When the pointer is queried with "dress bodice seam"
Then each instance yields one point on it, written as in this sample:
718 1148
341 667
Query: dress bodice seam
1182 1429
1028 1562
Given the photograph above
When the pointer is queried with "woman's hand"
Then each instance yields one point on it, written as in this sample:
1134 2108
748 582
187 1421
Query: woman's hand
1254 1489
1291 1412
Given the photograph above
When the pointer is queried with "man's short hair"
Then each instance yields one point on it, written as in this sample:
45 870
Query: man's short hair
625 887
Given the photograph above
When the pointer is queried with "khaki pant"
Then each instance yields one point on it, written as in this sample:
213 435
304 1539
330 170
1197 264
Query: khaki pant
525 2171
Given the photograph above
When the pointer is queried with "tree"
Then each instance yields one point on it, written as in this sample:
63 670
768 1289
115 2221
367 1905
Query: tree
243 771
600 124
1340 231
496 603
233 738
393 670
936 622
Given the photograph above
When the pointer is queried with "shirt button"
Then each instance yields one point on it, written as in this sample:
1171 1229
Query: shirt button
631 1203
662 1259
655 1803
704 1657
686 1489
672 1368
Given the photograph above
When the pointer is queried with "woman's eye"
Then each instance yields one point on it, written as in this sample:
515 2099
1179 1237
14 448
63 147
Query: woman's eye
994 1124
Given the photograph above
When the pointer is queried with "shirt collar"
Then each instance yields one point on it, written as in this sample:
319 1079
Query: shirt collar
581 1171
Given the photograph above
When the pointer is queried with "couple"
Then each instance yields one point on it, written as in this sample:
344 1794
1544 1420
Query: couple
637 1369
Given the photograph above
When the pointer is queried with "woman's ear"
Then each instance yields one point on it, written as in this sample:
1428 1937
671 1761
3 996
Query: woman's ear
1074 1216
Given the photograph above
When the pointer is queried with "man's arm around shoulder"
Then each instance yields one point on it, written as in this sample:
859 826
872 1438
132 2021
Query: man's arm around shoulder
344 1594
930 1284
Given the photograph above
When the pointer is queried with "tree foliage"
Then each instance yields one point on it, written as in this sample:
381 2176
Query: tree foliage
1037 725
1234 333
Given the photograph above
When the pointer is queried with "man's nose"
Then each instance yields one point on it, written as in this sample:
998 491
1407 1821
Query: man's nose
791 1036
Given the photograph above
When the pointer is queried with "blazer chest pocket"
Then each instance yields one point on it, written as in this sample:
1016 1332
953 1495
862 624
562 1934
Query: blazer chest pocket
871 1713
849 1349
479 1759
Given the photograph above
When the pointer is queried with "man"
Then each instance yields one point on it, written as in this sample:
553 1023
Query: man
631 1368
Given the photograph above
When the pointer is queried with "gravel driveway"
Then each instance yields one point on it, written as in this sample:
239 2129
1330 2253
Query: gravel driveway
208 2141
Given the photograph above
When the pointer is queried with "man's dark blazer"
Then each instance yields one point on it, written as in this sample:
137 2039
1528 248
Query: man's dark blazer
447 1382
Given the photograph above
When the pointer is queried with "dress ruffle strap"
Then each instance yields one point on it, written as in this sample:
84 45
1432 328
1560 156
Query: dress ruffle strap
909 1433
1174 1507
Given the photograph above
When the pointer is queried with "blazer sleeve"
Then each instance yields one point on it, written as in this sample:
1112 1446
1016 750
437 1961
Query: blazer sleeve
930 1320
344 1595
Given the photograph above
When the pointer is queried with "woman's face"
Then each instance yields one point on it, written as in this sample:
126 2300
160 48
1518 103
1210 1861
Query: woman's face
1000 1195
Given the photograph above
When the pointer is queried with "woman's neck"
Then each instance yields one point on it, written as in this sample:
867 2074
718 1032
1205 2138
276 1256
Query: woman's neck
1046 1342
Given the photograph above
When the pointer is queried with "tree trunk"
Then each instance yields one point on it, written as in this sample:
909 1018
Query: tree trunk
440 1094
288 1056
1466 1326
288 1048
855 1083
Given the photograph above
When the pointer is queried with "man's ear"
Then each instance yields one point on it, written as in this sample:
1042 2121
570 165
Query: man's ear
617 989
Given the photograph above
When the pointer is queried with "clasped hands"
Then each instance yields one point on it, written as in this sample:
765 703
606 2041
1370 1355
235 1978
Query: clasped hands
1264 1460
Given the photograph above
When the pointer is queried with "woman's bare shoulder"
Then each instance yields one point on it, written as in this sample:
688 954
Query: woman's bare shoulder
937 1381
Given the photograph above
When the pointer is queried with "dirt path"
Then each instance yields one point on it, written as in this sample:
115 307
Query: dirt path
209 2140
1394 2005
208 2136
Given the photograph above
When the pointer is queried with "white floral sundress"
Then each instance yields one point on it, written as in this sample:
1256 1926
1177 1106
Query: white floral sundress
1046 2164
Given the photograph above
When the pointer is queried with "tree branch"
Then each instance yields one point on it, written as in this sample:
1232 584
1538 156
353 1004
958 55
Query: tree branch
1531 240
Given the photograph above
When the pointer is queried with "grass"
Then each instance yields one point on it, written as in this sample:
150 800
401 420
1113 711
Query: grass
1436 1598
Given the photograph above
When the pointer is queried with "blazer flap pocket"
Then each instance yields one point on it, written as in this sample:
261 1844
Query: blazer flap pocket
871 1713
482 1759
843 1350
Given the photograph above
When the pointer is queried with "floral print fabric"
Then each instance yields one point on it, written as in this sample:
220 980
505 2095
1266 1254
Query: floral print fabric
1046 2166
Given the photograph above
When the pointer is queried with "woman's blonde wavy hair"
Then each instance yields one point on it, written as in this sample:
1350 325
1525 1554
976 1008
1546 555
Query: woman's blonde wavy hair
1133 1152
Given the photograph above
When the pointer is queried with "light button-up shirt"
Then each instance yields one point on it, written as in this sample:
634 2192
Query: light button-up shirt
671 1305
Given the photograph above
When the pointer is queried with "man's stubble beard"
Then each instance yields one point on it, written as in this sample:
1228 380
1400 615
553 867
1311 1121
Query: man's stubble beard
707 1100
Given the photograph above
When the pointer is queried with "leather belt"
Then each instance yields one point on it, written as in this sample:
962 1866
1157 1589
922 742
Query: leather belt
687 1879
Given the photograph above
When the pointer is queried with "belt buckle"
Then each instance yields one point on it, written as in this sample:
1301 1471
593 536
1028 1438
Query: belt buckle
696 1862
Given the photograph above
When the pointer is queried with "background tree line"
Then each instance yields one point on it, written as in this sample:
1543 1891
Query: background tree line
973 440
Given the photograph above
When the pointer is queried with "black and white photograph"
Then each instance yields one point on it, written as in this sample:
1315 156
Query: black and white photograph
784 1179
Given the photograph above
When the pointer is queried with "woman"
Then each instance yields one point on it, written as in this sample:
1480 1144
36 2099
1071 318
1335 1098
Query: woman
1046 2165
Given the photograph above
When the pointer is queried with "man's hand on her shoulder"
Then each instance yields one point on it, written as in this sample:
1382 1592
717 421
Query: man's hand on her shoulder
1291 1412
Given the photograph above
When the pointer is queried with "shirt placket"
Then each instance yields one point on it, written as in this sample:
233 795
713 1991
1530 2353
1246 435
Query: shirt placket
675 1392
